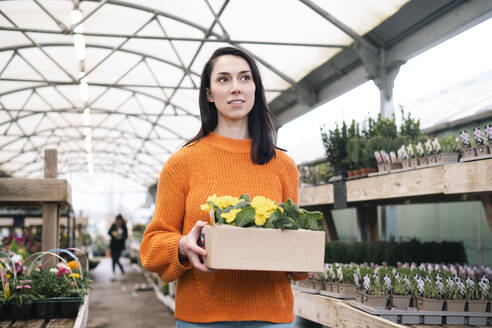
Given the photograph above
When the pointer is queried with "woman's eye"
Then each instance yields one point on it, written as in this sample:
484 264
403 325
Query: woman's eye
246 77
222 79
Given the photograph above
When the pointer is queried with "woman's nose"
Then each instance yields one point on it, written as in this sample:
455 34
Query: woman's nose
235 86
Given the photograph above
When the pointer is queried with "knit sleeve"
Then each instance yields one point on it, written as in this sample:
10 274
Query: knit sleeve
159 247
290 179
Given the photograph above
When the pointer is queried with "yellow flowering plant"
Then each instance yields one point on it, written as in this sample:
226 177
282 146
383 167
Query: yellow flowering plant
260 212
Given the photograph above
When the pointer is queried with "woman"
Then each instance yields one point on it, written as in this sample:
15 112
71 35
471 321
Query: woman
234 153
118 233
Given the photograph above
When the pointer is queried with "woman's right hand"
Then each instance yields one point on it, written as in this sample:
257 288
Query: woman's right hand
188 248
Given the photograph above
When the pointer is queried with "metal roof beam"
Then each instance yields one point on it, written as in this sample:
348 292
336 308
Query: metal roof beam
177 38
447 21
338 23
166 102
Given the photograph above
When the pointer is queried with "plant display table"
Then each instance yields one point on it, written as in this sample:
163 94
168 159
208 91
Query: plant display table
333 312
79 322
455 182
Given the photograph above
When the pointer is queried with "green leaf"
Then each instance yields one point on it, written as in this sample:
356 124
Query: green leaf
246 217
242 203
245 197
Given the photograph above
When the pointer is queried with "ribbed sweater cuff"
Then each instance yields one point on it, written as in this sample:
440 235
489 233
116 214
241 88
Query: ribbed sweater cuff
176 268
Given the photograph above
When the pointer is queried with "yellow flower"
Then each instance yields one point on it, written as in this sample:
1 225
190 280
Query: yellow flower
260 219
264 208
73 265
226 201
231 215
74 275
222 202
9 275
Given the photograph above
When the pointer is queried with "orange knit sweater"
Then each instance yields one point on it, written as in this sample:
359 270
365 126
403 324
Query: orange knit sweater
222 166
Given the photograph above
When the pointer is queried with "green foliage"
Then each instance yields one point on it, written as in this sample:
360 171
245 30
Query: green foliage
335 142
353 148
316 174
449 144
410 127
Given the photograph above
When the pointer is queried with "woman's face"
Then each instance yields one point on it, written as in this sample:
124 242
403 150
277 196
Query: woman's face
232 88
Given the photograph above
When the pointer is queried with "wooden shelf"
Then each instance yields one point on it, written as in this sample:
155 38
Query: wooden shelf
332 312
445 181
28 191
335 313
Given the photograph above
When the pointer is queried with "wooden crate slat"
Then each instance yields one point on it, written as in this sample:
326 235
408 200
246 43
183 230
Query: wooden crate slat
428 181
17 190
322 194
468 177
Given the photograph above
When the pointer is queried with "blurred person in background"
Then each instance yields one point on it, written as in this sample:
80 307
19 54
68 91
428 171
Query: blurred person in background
118 233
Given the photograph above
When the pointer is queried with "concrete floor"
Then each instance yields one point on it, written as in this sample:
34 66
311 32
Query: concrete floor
117 304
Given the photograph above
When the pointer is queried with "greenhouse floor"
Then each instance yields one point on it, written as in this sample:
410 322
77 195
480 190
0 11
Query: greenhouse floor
118 304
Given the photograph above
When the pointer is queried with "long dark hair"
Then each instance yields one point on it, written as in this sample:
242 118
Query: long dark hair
260 124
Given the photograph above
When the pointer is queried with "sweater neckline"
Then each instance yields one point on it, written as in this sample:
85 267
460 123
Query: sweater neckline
228 144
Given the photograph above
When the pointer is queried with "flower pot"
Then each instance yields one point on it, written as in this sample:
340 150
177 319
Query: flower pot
334 287
319 285
468 152
357 173
381 167
328 286
482 150
371 170
423 160
346 289
68 307
432 159
20 312
405 163
45 308
395 166
455 305
375 300
359 296
414 162
429 304
401 301
447 158
477 306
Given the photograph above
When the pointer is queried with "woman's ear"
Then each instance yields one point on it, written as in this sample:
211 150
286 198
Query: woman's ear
210 98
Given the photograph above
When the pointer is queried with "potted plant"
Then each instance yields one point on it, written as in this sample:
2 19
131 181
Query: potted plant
47 285
346 284
401 292
455 294
447 150
21 301
468 144
422 151
377 288
358 286
482 149
429 293
330 277
335 142
413 154
318 283
478 294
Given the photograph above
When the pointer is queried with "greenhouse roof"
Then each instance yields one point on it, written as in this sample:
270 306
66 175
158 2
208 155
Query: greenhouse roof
113 85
